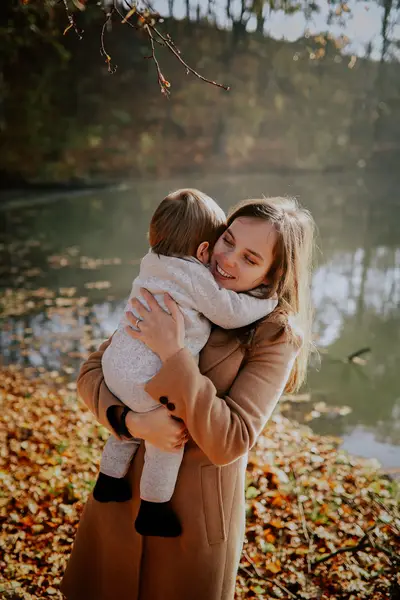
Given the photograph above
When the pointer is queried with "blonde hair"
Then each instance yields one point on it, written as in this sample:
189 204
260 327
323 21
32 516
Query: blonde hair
183 220
290 272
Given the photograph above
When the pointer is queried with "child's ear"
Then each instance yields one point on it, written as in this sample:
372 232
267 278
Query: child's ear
203 253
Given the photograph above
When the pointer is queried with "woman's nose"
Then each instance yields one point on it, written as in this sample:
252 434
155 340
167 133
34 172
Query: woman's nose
229 259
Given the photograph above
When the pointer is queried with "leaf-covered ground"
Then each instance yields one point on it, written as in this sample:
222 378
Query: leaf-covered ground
320 523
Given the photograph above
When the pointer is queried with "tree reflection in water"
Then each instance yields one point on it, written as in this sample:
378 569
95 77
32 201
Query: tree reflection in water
67 268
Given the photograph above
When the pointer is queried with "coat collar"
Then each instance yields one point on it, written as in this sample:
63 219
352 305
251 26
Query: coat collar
220 346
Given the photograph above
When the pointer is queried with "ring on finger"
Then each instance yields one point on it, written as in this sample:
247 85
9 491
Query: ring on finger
137 322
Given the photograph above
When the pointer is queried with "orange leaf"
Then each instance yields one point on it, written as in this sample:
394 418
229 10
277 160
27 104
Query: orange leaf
278 501
277 523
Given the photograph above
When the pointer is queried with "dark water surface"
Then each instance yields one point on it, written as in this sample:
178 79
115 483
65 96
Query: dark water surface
67 265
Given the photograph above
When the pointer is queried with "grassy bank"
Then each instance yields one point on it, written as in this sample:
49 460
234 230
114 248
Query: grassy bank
320 523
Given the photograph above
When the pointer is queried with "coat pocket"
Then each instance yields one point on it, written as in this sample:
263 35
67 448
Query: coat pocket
211 487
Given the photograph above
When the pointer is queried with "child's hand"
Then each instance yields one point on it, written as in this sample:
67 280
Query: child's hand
158 428
162 332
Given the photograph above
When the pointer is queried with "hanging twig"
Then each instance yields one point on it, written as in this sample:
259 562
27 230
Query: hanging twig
111 68
124 18
72 22
162 82
146 21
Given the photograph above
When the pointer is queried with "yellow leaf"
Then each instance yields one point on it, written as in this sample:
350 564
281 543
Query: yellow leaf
129 14
67 29
273 566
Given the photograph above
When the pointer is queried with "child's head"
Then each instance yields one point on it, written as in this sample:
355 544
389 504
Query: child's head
184 220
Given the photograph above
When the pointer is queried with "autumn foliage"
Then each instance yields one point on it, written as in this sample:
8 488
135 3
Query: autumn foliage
320 523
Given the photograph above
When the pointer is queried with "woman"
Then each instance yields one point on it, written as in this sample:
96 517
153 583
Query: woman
223 405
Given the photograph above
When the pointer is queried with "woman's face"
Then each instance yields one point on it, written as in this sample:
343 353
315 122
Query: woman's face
243 255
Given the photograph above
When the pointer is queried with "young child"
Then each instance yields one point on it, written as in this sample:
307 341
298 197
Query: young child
183 229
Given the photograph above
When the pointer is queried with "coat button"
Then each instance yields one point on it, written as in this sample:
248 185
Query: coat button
171 406
163 399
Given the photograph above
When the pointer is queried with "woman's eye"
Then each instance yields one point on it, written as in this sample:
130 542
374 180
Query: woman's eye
228 242
251 262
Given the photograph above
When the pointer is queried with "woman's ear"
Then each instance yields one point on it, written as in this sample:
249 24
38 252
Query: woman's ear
203 253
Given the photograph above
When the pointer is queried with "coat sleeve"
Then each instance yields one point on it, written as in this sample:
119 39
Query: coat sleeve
226 428
93 390
225 308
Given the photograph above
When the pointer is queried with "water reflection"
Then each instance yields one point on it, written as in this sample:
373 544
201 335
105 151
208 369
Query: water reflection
67 267
351 285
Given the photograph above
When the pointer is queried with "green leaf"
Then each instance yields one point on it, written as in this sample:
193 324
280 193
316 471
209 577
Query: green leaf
267 547
252 492
258 589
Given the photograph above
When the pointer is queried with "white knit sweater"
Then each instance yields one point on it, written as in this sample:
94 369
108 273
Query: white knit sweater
128 363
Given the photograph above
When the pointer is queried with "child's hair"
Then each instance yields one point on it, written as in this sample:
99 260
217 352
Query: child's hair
183 220
290 272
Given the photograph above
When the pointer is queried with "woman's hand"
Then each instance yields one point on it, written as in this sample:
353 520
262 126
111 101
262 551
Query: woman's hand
162 332
159 428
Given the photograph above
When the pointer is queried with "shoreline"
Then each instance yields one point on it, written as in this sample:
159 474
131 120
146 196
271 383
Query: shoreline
32 193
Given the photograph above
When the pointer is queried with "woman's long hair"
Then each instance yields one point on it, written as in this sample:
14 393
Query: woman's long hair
290 273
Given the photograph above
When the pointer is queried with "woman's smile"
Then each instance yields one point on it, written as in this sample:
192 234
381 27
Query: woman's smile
243 254
222 273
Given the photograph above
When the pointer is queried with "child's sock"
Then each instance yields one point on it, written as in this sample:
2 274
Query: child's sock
111 489
157 519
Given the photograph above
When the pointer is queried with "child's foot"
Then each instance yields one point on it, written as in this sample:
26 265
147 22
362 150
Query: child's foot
111 489
157 519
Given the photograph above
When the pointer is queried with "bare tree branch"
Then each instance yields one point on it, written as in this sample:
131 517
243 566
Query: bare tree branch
148 20
176 53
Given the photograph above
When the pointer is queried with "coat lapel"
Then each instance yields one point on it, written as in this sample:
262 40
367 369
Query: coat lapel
220 346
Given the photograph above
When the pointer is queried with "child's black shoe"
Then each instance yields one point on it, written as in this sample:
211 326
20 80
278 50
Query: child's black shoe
111 489
157 519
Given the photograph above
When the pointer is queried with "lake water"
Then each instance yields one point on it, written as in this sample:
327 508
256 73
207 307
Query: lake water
67 264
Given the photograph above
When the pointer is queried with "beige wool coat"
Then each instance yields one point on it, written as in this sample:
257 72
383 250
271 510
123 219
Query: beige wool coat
225 406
